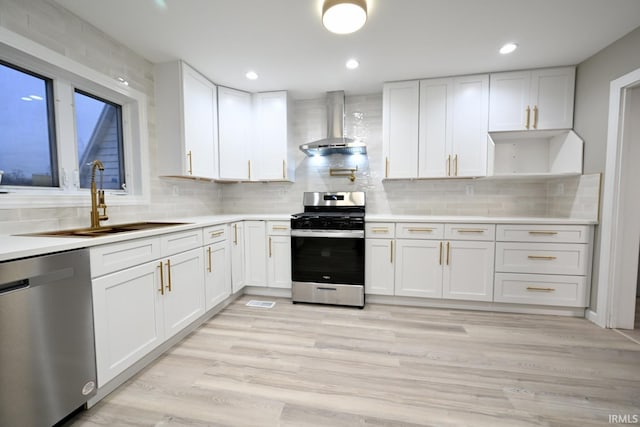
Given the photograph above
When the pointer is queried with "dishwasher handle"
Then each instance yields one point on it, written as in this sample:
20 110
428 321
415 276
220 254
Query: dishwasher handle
14 286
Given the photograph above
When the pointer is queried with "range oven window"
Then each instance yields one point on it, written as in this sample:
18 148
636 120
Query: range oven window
328 260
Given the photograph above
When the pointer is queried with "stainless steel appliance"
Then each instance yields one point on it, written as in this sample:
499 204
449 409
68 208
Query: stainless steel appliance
327 249
47 356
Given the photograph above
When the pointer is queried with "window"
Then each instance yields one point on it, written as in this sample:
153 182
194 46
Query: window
27 129
99 136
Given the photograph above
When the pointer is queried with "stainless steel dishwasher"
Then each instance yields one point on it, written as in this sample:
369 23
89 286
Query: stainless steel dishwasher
47 355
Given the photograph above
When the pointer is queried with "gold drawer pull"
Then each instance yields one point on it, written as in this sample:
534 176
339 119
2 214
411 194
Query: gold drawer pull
471 230
420 230
440 255
537 289
217 233
550 233
380 230
391 256
547 258
209 252
161 278
169 275
279 227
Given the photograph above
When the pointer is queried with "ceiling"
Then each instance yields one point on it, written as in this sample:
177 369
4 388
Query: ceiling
285 43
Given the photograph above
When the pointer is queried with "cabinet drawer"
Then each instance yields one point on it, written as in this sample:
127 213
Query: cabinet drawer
419 230
174 243
544 233
278 228
541 258
380 230
118 256
567 291
214 234
469 232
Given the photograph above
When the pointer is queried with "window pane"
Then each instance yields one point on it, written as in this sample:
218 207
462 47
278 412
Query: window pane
99 133
27 139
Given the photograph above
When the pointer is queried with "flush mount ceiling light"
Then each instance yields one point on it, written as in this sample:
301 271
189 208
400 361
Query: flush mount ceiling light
344 16
352 64
508 48
251 75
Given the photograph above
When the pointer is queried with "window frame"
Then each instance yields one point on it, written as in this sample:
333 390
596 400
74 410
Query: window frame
67 76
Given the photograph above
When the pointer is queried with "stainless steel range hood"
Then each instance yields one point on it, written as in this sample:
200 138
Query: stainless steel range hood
335 142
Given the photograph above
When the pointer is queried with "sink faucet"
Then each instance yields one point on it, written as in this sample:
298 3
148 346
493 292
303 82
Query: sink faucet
97 196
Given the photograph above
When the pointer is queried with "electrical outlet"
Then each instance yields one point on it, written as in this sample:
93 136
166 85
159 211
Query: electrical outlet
560 189
175 190
468 189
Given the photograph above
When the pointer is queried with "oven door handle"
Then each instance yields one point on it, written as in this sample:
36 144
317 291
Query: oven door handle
340 234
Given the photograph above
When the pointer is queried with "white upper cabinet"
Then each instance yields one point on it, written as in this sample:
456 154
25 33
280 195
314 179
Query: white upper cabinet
235 121
400 103
453 127
187 122
532 100
270 154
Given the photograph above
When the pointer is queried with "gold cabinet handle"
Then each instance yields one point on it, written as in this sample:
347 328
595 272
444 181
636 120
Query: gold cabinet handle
284 169
440 255
455 165
528 110
449 165
543 232
217 233
249 166
546 258
189 156
169 275
279 227
380 230
209 251
420 230
235 234
161 278
391 255
386 167
448 253
537 289
269 247
471 230
535 117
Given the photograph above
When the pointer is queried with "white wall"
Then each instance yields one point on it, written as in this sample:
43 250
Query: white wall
49 24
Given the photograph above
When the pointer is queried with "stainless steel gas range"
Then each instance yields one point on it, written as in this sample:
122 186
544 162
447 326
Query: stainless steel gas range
327 249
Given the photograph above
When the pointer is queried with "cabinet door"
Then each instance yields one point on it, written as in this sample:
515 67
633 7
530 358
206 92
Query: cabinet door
468 271
127 315
419 268
470 114
379 263
200 120
234 125
237 257
279 262
552 92
184 296
255 247
217 276
270 149
400 105
508 100
435 127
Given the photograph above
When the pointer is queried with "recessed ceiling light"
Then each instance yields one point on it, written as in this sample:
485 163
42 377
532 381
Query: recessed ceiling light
26 98
251 75
344 16
352 64
508 48
36 97
122 80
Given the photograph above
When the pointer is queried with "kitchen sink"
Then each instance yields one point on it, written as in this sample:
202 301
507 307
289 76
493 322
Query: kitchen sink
105 230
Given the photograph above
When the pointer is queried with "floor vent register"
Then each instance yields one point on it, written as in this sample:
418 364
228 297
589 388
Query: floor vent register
261 304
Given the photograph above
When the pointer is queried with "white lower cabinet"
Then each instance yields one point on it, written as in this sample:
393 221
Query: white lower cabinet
255 253
217 273
138 308
279 262
418 268
468 271
237 256
379 262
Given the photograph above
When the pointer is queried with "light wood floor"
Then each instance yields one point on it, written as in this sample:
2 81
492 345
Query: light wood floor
307 365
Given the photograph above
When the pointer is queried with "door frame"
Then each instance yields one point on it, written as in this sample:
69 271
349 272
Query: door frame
614 307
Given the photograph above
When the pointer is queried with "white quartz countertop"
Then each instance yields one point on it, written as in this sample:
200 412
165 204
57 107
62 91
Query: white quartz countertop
16 246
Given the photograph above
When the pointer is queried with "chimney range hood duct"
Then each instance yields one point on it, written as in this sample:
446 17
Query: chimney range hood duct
335 142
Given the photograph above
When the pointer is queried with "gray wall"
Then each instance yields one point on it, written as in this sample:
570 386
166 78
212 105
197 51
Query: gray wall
593 77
